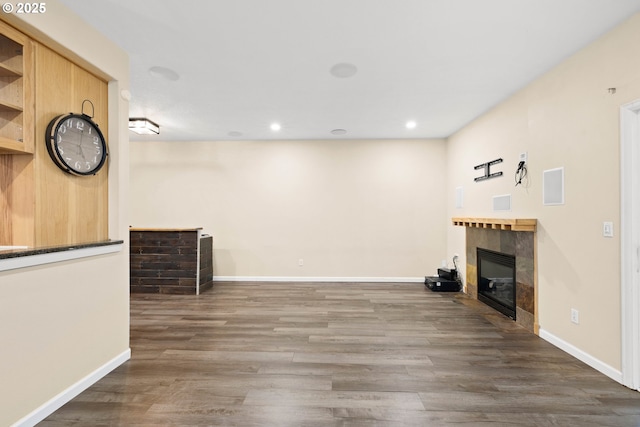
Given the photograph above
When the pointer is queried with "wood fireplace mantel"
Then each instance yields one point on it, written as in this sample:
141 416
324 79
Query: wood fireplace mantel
509 224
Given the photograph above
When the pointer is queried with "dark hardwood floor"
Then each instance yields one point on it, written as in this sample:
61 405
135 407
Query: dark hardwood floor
319 354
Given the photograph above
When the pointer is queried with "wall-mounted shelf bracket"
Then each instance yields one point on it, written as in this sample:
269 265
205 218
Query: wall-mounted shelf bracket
487 170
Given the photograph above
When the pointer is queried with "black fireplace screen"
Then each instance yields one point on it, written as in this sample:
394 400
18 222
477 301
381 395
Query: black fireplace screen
497 281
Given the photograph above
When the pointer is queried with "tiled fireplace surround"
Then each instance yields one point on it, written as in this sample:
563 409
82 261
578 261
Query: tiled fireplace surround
508 240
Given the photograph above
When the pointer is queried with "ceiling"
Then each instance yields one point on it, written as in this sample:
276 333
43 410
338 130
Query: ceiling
228 69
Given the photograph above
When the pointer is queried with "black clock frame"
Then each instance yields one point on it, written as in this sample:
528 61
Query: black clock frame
52 147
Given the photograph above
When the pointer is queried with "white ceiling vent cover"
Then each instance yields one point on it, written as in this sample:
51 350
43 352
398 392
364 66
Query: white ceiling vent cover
502 203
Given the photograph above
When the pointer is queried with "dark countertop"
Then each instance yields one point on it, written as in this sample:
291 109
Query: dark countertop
22 252
164 229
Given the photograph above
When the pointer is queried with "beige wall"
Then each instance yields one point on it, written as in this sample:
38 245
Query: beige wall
567 118
347 208
63 321
369 208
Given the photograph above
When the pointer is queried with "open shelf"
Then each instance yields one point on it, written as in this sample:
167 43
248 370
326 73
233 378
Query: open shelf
11 146
6 71
6 106
515 224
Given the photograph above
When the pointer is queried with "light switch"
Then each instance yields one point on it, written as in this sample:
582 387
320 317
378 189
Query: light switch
607 229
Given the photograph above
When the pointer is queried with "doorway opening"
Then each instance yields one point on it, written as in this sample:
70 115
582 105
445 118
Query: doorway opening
630 242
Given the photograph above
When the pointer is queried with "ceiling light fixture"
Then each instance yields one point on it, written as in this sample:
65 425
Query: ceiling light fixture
275 127
143 126
343 70
164 73
411 124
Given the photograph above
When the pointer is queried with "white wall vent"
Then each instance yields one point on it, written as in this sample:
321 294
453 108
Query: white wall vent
553 187
459 197
502 203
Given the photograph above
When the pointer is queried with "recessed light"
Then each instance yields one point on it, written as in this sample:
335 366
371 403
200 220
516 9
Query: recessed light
164 73
343 70
235 133
411 124
338 132
275 127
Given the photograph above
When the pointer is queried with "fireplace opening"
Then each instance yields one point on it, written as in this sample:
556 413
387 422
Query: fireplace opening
497 281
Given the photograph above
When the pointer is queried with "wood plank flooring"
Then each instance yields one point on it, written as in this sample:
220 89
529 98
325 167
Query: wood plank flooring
338 354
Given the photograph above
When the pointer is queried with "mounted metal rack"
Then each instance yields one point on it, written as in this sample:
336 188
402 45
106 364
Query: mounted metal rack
487 170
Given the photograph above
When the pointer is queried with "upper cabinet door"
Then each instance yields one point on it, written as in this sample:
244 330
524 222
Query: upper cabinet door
16 92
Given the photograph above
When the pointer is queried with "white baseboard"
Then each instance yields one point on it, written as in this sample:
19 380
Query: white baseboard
596 364
317 279
65 396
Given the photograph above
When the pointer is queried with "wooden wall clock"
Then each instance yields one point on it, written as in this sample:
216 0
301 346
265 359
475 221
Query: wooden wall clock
76 144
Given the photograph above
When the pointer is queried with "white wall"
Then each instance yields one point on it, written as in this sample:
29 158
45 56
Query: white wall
63 322
349 209
567 118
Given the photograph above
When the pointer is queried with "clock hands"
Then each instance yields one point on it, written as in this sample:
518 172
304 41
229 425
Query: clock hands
81 152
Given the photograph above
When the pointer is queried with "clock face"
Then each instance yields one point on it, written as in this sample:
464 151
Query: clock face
76 144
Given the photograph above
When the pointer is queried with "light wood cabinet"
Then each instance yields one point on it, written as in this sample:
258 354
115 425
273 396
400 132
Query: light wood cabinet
40 205
68 209
17 110
16 92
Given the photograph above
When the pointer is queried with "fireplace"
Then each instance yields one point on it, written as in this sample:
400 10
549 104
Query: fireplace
497 280
512 237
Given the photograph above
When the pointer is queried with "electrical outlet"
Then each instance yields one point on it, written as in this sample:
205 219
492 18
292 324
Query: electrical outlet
575 316
523 157
607 229
300 262
443 263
